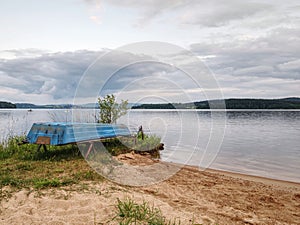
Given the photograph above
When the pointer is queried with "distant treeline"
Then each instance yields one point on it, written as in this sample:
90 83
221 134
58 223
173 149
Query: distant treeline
59 106
286 103
7 105
33 106
233 103
156 106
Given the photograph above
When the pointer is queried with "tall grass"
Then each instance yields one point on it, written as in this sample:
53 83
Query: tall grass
13 148
130 212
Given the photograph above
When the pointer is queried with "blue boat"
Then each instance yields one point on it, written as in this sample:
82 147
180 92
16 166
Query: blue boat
66 133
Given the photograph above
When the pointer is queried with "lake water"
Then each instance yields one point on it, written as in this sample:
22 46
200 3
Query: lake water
263 143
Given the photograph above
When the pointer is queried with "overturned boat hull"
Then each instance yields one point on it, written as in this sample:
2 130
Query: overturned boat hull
66 133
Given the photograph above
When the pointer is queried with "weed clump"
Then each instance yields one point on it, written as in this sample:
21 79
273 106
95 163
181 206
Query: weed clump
130 212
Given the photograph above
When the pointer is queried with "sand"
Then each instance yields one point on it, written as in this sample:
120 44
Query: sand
201 197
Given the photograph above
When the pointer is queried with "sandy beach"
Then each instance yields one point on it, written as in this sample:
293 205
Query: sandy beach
193 196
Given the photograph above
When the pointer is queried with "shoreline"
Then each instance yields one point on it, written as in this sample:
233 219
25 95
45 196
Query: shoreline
142 160
192 195
235 174
255 178
238 172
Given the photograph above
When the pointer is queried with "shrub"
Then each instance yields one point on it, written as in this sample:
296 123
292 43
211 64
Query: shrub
110 110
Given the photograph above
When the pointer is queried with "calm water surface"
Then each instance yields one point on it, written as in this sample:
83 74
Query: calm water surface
263 143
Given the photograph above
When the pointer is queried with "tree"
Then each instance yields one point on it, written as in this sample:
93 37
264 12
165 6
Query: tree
110 110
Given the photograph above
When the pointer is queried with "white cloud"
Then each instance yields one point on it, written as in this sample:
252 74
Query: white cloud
212 13
148 10
220 13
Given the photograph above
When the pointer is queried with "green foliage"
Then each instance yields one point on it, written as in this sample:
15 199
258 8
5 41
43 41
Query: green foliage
130 212
150 144
12 148
42 183
6 180
110 110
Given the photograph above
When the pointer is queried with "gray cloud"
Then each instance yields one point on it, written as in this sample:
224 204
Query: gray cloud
149 76
275 55
55 74
138 80
291 66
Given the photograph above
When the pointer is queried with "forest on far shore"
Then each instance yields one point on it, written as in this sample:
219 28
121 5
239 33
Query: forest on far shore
285 103
232 103
7 105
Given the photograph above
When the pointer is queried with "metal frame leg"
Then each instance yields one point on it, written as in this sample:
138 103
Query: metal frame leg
90 149
44 147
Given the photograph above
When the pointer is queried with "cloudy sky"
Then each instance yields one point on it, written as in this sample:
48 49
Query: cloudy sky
250 47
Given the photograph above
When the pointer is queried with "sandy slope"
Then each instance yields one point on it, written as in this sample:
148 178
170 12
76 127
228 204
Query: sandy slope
207 197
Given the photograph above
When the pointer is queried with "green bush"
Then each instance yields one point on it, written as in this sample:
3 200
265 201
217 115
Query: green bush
150 144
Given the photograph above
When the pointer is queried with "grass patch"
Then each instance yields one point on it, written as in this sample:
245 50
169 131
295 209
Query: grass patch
55 182
130 212
43 174
22 166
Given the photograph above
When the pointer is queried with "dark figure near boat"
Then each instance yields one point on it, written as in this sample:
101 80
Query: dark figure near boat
140 133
